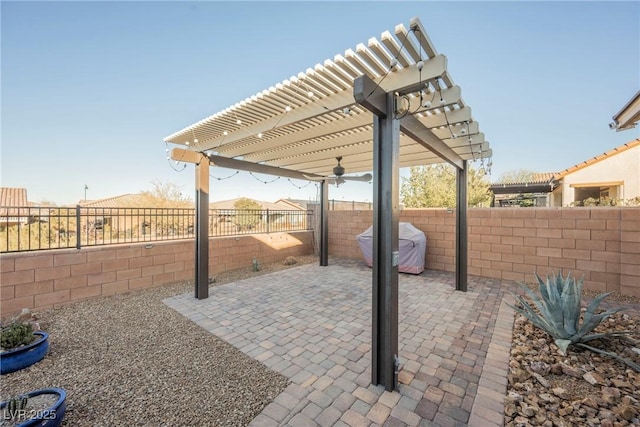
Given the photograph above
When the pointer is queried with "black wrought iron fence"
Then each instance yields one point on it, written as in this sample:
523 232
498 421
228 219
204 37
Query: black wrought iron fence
38 228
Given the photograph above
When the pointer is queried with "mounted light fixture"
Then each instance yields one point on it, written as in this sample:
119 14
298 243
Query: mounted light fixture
338 170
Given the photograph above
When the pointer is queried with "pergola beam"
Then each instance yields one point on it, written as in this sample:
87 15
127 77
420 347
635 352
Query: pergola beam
415 130
371 96
189 156
242 165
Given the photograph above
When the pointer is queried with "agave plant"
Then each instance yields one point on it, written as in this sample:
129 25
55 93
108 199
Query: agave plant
559 314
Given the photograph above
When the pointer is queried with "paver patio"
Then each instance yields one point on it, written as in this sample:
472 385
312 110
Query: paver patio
312 324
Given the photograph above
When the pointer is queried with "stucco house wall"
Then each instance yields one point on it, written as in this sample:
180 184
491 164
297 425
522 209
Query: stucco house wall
617 168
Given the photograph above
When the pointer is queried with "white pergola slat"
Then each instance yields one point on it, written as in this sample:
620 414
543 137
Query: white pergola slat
306 121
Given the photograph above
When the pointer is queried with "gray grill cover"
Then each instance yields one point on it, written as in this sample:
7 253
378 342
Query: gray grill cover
412 247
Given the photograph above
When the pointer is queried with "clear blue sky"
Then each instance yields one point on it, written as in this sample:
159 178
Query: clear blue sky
90 89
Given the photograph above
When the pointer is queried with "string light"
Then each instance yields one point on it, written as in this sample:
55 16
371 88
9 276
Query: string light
393 64
300 187
170 163
264 182
225 177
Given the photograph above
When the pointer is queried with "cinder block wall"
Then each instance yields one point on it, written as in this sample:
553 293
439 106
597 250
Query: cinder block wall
43 279
510 243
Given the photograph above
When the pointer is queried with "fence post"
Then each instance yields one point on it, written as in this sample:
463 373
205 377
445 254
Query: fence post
78 227
267 221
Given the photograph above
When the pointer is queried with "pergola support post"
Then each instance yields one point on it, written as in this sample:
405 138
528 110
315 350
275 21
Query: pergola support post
386 150
324 223
202 229
461 228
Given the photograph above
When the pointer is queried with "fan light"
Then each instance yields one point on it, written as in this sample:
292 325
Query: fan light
338 170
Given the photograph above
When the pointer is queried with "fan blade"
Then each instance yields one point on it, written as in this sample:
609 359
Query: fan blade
364 178
315 178
333 179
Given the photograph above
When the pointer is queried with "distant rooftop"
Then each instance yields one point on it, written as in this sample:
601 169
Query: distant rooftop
599 157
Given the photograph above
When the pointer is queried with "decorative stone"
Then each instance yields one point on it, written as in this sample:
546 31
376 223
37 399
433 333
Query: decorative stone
556 369
513 397
610 395
544 383
625 411
528 411
590 401
547 398
593 378
519 375
560 392
290 260
521 421
606 414
510 410
571 371
541 368
563 412
25 316
620 383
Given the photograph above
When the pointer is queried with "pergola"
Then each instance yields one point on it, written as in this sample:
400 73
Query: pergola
388 104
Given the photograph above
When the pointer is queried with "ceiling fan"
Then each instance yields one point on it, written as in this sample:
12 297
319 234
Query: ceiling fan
338 176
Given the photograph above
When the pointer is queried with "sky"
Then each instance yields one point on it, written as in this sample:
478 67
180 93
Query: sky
91 89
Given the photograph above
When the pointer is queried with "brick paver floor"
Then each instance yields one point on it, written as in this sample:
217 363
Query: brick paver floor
312 324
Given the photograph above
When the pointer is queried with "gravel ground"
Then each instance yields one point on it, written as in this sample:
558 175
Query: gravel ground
581 388
130 360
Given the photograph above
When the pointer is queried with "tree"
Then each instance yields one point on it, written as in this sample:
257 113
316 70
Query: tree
166 194
435 186
248 212
517 176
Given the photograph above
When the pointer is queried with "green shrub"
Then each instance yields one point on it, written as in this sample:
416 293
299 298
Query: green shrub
15 335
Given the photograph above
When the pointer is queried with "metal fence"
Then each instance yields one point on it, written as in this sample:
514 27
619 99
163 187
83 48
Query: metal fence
38 228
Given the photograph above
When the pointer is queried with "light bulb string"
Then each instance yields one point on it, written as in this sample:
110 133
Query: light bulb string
301 81
299 187
171 164
265 181
225 177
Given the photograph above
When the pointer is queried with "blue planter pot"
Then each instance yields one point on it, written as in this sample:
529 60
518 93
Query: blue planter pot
21 357
49 417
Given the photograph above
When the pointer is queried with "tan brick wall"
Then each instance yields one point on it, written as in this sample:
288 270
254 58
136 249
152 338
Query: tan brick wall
43 279
603 244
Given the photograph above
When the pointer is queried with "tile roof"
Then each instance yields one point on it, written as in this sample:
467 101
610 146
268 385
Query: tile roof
536 178
13 202
13 197
599 157
121 201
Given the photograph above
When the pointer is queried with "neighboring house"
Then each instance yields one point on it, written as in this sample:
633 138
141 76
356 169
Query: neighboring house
230 204
295 204
628 116
14 207
334 205
122 201
289 213
614 175
139 212
535 192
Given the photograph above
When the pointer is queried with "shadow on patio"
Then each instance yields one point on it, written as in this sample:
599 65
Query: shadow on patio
312 324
